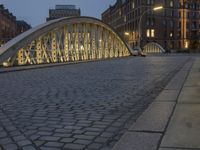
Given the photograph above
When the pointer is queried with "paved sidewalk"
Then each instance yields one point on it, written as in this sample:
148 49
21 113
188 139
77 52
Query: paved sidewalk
172 121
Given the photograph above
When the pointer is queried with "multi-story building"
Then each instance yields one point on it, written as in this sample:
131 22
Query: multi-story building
7 25
22 26
63 11
175 27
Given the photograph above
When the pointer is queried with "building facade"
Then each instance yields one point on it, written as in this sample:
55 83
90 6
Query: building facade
176 27
22 26
7 25
63 11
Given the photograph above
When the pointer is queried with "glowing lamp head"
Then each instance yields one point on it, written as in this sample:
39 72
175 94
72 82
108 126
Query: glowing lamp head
158 8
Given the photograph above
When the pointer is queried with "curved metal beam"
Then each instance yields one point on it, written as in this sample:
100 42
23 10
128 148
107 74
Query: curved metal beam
155 45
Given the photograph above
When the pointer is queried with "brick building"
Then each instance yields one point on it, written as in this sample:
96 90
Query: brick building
176 27
22 26
63 11
7 25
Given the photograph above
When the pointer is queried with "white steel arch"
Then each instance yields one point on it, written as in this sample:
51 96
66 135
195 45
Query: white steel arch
64 40
153 47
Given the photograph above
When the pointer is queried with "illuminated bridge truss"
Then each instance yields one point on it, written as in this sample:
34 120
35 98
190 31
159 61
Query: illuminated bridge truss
153 47
64 40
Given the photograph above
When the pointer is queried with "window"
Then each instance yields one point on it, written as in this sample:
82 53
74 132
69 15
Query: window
179 14
186 5
150 2
164 22
186 44
172 13
171 44
188 15
179 5
171 23
123 1
148 32
150 21
152 33
120 12
179 34
179 25
133 5
194 25
124 18
171 3
188 25
171 34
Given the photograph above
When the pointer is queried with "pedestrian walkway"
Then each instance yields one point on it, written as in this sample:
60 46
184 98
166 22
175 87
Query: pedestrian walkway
172 121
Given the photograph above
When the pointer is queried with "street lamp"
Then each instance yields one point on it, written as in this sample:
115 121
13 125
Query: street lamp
140 20
127 36
126 33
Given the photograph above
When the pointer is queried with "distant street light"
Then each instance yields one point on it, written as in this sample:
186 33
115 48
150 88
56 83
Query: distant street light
158 8
139 25
126 33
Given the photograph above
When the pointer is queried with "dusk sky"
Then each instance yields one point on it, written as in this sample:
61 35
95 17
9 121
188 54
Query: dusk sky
36 11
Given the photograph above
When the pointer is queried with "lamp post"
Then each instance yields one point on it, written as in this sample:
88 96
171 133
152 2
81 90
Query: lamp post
140 20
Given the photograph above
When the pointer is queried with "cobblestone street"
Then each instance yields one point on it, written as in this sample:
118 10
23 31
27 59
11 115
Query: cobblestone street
80 106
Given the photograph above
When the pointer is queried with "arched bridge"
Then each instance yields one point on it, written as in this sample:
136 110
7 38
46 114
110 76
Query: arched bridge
153 47
64 40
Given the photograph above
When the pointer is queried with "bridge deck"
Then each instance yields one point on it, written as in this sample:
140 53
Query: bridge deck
87 105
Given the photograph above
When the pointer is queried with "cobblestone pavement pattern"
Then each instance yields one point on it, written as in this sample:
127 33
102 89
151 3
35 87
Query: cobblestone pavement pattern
81 106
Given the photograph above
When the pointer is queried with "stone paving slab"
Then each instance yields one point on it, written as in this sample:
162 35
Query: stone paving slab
155 118
190 95
191 82
184 128
194 75
138 141
168 95
177 82
196 64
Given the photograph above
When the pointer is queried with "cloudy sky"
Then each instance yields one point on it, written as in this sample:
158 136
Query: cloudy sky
36 11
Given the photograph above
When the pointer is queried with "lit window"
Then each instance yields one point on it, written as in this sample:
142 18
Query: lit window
171 3
148 32
133 5
171 34
152 33
186 44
